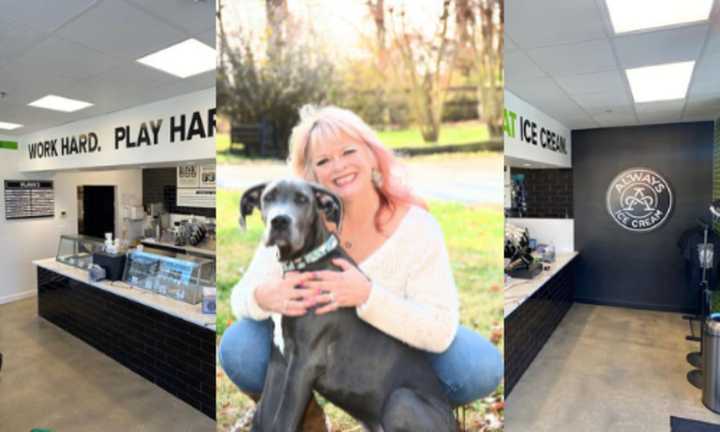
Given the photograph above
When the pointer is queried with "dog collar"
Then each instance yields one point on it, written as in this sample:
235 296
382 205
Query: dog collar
314 255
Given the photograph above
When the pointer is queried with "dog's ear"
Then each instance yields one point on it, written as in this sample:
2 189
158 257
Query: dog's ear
250 200
329 204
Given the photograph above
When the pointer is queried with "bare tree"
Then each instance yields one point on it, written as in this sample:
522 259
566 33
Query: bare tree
277 14
480 55
490 65
377 13
426 66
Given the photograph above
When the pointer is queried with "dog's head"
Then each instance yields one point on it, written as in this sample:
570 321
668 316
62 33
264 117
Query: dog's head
291 210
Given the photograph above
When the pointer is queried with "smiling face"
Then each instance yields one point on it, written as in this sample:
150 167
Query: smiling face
343 165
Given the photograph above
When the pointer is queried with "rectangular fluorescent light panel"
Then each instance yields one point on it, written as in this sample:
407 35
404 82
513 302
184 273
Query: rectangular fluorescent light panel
660 82
182 60
633 15
9 126
59 103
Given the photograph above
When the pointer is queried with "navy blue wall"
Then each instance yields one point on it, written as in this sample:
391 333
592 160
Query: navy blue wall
624 268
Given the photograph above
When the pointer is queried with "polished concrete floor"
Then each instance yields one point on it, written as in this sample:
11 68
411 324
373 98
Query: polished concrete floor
51 379
608 369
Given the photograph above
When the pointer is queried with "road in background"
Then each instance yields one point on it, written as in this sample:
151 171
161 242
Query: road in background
470 180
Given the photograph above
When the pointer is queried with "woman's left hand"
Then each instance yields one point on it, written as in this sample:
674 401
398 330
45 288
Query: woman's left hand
345 288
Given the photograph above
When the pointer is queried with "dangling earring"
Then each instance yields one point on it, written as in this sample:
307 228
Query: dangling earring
377 178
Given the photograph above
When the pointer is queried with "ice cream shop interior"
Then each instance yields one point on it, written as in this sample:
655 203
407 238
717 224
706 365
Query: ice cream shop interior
107 215
612 175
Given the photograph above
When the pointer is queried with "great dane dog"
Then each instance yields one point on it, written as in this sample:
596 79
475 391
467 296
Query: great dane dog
383 383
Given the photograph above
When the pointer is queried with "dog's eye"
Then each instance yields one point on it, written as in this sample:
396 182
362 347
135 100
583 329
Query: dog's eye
269 197
301 199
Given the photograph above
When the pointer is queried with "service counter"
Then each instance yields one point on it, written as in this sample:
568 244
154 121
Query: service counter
169 342
533 309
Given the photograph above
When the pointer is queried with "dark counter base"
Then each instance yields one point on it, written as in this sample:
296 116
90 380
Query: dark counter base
529 326
174 354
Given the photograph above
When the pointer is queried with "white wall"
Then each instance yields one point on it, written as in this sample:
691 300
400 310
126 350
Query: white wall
128 192
22 240
26 240
560 232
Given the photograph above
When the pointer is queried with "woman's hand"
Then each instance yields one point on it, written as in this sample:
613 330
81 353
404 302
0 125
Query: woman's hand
282 296
336 289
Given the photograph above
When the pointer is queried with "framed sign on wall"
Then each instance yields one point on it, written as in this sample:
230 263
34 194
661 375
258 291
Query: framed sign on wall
28 199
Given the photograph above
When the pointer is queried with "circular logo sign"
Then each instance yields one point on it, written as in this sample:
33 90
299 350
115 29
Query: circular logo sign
639 199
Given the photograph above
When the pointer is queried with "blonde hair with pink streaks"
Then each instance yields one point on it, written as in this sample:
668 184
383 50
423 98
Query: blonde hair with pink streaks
326 124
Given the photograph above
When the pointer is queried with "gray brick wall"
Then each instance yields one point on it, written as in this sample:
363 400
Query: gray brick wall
549 192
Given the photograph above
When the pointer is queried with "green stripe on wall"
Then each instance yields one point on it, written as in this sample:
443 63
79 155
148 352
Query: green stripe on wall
8 145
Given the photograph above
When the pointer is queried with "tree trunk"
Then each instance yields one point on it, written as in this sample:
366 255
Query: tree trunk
276 12
489 65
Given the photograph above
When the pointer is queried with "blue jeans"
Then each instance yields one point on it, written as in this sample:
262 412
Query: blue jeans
469 369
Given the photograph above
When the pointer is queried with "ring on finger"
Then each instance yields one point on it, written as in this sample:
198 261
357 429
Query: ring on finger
332 298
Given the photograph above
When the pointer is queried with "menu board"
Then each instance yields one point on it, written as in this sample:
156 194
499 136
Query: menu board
196 186
196 197
26 199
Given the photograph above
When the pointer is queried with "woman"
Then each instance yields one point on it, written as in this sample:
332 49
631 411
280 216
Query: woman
411 294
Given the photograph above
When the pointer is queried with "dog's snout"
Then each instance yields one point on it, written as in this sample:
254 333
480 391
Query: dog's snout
280 222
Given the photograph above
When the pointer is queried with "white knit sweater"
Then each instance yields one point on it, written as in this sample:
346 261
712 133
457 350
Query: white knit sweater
413 296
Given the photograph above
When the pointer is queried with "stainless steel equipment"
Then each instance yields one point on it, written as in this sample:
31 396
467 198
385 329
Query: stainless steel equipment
711 357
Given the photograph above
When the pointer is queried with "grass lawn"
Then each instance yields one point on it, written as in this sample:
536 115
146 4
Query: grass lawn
474 238
450 133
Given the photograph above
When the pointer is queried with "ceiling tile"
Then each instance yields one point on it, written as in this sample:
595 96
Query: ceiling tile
16 40
713 42
615 119
518 66
579 58
536 89
43 15
532 23
24 85
607 81
509 45
602 101
31 117
55 56
660 112
664 107
134 33
129 82
35 63
707 73
658 47
582 124
208 38
704 104
189 15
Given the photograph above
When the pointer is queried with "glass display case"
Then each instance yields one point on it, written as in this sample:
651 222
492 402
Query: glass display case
77 250
181 277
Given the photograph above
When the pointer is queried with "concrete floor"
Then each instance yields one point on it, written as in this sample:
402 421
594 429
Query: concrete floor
51 379
608 369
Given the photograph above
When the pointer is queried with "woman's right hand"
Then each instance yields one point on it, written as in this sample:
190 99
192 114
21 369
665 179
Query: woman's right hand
281 295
